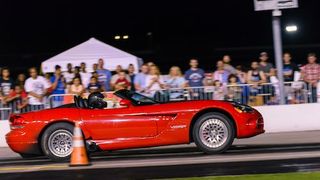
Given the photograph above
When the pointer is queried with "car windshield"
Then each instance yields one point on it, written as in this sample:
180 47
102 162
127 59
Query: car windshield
135 98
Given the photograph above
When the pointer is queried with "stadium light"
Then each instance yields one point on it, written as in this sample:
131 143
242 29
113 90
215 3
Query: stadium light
117 37
125 37
291 28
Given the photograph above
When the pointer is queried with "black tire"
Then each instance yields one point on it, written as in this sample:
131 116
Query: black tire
51 131
206 119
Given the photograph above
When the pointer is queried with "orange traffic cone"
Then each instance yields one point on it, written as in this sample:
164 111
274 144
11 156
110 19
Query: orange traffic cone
79 155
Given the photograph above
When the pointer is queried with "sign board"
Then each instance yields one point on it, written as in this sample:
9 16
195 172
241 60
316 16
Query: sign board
262 5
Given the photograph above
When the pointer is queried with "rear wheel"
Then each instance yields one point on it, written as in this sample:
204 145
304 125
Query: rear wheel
56 142
213 133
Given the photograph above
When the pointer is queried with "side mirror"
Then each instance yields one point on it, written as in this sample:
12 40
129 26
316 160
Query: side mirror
125 103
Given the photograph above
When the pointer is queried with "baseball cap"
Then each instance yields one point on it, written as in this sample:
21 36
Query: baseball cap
263 54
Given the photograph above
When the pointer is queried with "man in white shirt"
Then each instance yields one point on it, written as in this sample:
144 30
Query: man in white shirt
36 87
85 76
68 75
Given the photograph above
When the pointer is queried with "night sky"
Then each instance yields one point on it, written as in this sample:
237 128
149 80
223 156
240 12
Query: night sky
32 31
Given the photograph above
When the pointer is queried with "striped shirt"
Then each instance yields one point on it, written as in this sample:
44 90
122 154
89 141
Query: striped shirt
311 72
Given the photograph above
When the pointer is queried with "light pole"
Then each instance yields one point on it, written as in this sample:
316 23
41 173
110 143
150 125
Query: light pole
275 5
277 44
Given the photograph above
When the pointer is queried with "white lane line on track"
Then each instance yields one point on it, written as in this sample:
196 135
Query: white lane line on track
161 162
131 153
202 160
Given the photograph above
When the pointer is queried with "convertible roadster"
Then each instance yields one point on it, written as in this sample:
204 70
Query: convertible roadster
137 122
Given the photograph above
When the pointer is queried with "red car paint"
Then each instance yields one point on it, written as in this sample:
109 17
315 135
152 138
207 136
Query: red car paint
129 127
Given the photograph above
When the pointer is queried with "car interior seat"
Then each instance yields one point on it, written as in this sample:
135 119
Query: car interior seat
80 102
76 101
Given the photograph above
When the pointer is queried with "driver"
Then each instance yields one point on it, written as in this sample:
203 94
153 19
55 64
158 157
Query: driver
96 101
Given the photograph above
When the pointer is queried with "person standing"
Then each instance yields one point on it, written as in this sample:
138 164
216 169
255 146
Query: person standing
20 99
76 87
115 77
94 67
242 76
176 81
154 83
289 69
140 79
264 65
227 64
122 82
104 75
6 87
58 86
311 74
132 76
68 75
256 78
94 86
221 74
36 86
6 83
85 76
21 79
194 75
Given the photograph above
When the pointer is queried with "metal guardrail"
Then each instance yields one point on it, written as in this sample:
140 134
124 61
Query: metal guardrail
5 113
264 94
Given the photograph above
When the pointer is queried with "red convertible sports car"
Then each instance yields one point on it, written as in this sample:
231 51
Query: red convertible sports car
138 122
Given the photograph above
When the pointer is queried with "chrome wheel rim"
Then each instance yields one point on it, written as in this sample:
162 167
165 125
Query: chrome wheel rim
213 133
60 143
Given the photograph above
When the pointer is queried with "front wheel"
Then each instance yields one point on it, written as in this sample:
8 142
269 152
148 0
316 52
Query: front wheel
213 133
56 142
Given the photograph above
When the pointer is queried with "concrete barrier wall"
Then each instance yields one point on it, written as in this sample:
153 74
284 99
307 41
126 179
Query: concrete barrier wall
4 129
300 117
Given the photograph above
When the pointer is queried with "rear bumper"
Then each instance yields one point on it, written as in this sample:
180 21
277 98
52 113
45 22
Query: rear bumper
20 142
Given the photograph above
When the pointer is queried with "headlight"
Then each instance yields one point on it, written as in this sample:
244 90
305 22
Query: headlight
242 107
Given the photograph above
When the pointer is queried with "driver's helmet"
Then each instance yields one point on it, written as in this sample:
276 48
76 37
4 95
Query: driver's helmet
95 100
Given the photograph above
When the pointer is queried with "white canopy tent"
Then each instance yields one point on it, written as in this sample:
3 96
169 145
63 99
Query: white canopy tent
89 52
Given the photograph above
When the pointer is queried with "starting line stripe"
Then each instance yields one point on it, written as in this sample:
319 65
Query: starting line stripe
32 168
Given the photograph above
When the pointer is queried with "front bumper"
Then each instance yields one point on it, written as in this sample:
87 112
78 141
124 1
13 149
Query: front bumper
252 125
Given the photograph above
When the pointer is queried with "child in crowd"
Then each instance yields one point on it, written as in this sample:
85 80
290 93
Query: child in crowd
76 87
122 82
95 74
234 91
18 95
219 92
94 86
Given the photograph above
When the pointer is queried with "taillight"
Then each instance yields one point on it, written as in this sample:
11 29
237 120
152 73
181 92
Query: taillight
17 122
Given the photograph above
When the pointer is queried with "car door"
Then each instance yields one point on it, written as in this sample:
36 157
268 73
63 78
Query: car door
118 123
162 114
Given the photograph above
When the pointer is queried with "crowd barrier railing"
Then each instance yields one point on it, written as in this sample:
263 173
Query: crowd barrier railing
263 94
5 113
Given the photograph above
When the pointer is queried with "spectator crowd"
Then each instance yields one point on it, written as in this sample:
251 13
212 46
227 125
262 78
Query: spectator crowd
225 82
